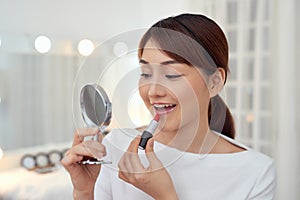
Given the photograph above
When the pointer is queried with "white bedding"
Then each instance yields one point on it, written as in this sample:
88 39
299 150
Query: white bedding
21 184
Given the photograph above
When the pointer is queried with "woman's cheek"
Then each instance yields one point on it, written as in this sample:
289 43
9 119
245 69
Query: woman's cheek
143 90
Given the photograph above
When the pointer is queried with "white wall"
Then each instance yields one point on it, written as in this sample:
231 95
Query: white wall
69 19
286 84
298 63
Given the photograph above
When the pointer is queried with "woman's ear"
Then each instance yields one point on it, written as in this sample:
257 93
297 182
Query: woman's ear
216 81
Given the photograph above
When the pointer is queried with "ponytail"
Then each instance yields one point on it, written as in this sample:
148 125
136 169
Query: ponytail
220 118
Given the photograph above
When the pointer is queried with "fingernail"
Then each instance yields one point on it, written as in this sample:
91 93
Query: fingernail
151 142
99 155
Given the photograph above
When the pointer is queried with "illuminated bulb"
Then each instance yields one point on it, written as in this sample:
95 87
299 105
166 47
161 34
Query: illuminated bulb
42 44
1 153
120 48
0 42
85 47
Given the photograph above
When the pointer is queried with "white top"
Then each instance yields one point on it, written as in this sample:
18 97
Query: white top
234 176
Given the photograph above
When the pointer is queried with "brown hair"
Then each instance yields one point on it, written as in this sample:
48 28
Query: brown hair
197 41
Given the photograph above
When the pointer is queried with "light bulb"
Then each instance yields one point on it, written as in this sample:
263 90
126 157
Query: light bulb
42 44
120 49
85 47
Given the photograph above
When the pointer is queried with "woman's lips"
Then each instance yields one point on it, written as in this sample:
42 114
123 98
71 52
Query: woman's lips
162 109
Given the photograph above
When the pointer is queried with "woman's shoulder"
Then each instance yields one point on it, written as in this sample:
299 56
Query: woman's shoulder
259 160
248 154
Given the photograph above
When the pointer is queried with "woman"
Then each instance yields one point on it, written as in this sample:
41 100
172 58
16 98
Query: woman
192 155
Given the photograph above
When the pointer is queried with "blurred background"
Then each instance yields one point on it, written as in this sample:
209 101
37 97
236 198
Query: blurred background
44 43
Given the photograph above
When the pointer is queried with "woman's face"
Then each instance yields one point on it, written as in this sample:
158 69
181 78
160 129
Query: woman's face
175 91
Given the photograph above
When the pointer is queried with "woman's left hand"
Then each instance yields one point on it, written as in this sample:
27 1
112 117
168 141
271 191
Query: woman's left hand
154 180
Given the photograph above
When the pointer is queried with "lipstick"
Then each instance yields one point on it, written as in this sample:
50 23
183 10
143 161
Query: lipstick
148 132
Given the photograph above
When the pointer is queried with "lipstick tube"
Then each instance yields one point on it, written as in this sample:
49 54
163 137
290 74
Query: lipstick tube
148 133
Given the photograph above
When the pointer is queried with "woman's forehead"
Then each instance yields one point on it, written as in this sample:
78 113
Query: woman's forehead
152 53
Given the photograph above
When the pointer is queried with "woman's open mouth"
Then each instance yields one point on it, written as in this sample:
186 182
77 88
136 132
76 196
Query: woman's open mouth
163 108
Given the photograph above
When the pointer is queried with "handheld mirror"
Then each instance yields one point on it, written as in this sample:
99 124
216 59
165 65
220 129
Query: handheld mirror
96 111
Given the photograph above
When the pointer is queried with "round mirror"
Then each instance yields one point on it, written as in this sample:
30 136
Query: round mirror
96 112
95 106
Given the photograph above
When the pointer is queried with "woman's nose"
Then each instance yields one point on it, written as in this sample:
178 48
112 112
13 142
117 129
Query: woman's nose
156 90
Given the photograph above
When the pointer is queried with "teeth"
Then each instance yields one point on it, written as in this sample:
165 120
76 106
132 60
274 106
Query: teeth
163 105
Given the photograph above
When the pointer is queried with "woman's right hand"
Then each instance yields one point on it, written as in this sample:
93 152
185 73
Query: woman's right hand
84 176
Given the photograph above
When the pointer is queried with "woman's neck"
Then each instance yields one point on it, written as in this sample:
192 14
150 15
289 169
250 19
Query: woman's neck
190 137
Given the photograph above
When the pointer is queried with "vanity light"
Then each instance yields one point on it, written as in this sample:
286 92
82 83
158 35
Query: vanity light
42 160
120 49
85 47
55 157
28 161
42 44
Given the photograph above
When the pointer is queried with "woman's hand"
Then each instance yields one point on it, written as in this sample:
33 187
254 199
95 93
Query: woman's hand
83 176
154 180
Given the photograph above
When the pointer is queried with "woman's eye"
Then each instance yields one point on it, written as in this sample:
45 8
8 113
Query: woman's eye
146 75
174 76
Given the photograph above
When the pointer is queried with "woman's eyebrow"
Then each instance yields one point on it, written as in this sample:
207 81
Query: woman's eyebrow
168 62
143 61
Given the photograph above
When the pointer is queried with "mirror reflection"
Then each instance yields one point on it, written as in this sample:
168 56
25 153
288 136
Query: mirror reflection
95 106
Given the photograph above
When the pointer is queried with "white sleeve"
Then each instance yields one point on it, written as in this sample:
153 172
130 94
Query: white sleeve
265 186
102 190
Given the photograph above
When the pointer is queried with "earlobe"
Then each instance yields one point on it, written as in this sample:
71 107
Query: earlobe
216 82
212 90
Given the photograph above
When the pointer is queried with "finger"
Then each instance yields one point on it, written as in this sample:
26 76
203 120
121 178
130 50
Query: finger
133 157
80 133
97 149
70 159
99 137
134 145
89 148
130 164
123 168
149 146
122 175
154 162
125 164
136 164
